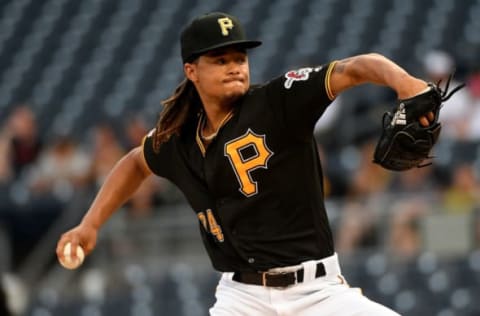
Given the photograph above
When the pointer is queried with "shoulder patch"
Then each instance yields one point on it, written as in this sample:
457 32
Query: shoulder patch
301 74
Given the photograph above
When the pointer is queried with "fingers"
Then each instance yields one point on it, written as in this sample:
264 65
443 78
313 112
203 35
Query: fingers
73 247
426 119
430 116
60 246
66 238
83 236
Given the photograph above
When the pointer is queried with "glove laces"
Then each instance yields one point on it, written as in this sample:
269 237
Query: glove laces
445 94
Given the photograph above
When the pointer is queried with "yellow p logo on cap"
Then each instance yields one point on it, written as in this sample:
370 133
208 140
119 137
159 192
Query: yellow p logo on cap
225 25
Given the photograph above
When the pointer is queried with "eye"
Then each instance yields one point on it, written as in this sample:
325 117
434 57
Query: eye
241 60
221 61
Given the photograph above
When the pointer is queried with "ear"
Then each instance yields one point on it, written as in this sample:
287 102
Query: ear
190 71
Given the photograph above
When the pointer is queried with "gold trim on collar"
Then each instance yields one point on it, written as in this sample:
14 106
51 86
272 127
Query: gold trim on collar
197 134
201 123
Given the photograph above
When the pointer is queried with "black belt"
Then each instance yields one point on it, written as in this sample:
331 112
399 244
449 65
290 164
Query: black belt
282 279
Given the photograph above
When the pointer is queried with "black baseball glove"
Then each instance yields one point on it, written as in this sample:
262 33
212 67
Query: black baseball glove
404 142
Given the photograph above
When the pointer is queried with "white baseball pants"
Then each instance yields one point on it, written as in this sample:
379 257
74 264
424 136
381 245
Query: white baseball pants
324 296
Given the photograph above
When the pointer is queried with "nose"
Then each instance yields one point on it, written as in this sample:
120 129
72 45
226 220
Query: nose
233 68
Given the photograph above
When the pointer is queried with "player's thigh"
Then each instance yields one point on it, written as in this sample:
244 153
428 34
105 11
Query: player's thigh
350 302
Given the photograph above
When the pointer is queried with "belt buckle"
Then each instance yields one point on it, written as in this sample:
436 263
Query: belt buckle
265 274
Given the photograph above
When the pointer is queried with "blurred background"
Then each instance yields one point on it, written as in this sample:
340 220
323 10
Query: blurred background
81 84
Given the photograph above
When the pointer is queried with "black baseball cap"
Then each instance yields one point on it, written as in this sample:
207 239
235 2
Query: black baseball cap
211 31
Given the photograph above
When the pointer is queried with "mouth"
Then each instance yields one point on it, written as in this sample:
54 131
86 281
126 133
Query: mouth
230 80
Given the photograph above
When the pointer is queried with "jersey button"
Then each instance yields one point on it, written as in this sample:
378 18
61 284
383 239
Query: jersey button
251 260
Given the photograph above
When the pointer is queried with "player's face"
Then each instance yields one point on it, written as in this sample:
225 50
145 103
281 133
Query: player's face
221 75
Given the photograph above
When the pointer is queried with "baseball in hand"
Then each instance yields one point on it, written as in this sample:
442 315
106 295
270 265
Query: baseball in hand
68 262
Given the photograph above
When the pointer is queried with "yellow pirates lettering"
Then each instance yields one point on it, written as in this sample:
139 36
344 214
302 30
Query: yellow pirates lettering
225 25
244 166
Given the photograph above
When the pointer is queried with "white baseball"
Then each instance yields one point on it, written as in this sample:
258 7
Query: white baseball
68 262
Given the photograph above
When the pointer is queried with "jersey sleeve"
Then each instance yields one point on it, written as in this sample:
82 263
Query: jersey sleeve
157 162
302 95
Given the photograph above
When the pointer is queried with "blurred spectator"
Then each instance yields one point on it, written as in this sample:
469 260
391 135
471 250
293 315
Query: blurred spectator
438 65
405 235
20 147
473 86
356 228
368 179
135 130
147 197
414 181
19 141
62 168
107 150
463 195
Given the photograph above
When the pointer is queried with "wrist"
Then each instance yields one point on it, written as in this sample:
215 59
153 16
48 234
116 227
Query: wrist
411 88
90 223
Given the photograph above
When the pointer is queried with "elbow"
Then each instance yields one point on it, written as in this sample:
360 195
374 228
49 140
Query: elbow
375 55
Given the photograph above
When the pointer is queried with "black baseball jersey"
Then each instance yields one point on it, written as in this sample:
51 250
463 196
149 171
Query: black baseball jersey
257 189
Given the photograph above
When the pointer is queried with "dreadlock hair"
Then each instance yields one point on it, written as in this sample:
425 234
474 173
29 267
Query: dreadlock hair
176 110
